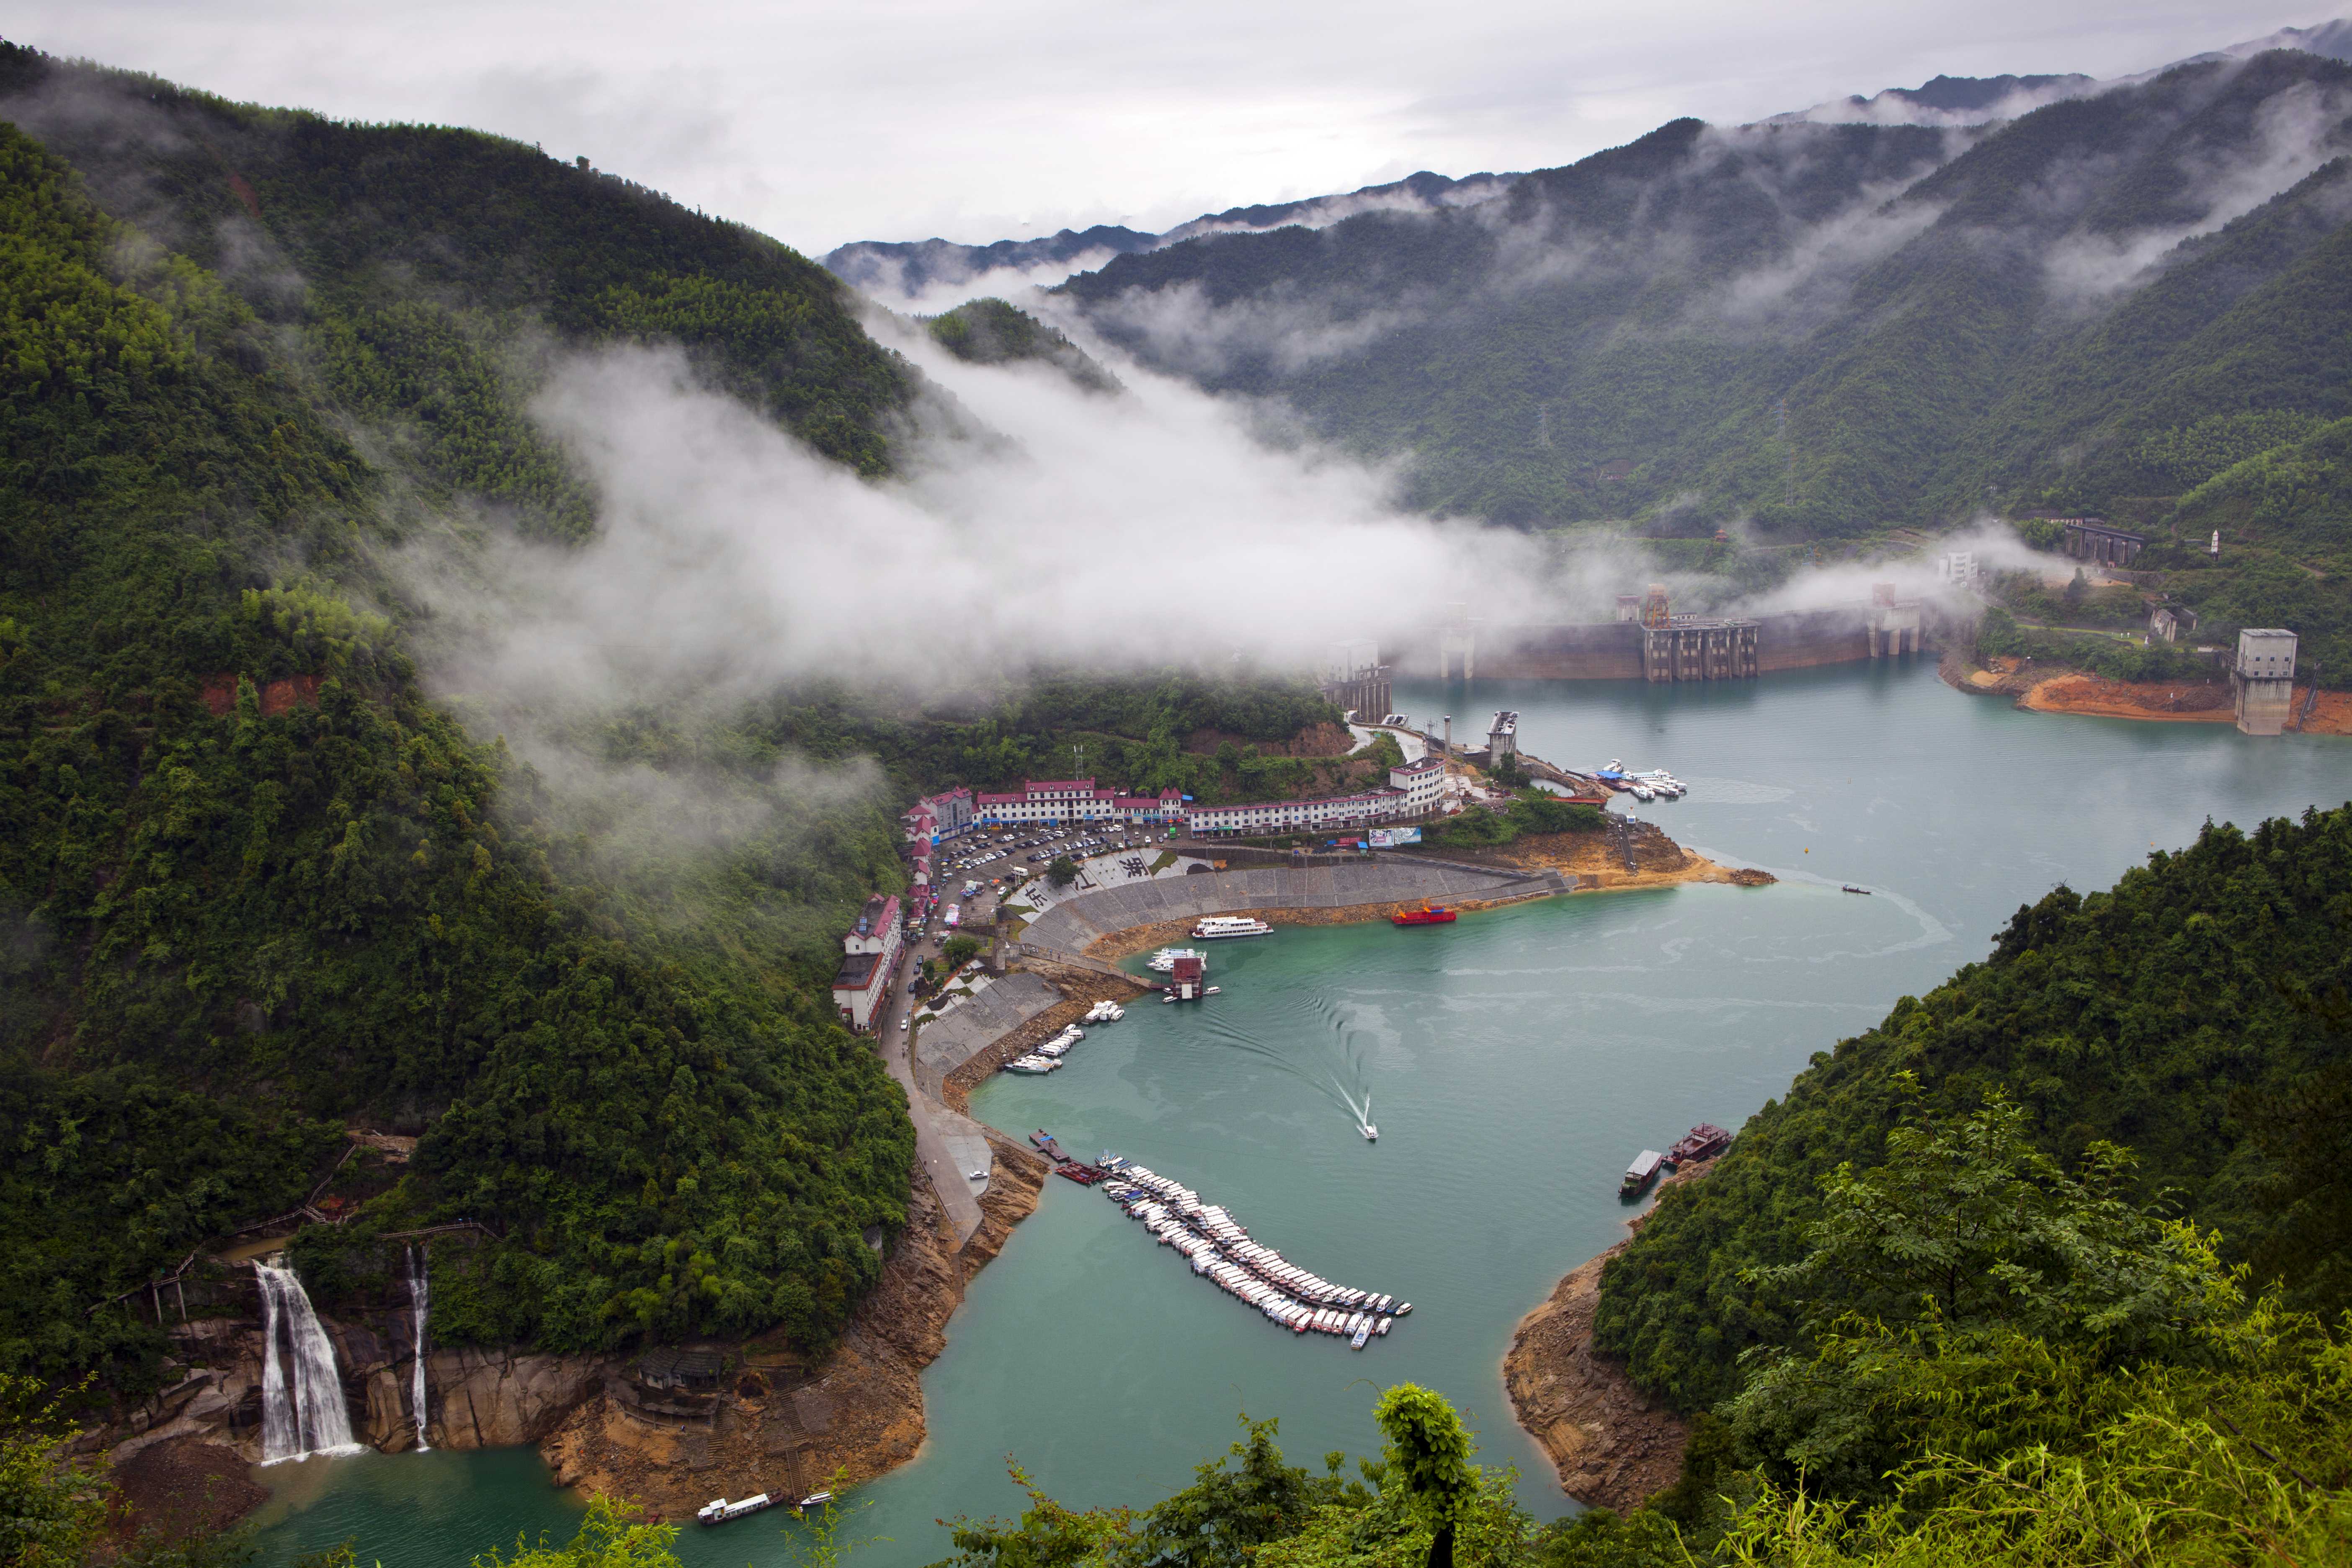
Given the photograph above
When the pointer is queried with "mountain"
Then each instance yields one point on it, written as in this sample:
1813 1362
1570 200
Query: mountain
906 272
1822 329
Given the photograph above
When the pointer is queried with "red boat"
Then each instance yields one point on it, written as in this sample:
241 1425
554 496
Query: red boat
1429 914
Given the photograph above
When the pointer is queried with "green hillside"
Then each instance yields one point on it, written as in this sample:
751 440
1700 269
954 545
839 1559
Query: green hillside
254 886
1830 331
2195 1014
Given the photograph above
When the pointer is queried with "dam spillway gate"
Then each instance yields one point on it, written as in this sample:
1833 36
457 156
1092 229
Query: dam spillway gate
1698 647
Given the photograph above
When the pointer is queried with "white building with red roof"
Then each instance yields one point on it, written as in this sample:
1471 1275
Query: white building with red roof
869 955
1057 801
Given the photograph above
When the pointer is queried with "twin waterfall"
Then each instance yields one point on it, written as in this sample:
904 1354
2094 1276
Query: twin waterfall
302 1407
420 1285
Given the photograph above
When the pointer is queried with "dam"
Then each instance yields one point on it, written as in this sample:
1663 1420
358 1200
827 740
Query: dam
1647 641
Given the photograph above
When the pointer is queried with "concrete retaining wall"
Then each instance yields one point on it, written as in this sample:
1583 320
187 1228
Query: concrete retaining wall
974 1026
1078 922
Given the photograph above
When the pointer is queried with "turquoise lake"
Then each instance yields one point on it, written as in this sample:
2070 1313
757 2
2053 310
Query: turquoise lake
1516 1061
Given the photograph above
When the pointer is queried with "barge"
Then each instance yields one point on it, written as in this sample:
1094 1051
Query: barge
1428 914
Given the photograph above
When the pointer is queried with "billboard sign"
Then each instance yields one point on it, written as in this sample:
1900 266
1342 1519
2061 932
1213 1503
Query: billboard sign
1394 838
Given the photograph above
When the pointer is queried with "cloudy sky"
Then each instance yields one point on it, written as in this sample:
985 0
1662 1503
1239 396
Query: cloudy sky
823 122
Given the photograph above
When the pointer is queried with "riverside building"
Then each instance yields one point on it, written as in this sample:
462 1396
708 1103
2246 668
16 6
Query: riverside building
869 955
1053 802
1414 790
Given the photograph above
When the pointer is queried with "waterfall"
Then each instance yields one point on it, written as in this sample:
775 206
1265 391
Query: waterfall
420 1286
302 1408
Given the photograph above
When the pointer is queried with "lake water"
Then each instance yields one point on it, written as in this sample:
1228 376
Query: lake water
1516 1061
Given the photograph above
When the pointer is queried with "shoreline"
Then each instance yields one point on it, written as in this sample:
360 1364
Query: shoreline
1591 858
1611 1445
2086 695
776 1423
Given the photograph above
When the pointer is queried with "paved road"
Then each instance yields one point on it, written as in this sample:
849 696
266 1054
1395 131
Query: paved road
954 1188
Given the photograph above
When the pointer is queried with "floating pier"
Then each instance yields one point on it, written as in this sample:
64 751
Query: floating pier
1222 1251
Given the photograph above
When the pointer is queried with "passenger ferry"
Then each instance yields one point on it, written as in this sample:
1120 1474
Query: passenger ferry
719 1510
1164 961
1214 927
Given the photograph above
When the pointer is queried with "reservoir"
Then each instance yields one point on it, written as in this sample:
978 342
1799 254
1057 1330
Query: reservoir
1516 1061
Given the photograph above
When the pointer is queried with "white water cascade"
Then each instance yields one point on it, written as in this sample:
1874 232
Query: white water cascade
419 1287
302 1410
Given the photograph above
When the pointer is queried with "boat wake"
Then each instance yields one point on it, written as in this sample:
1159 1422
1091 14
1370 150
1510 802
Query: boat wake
1337 1072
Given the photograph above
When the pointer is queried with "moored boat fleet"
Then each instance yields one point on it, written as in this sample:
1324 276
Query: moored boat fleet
1221 1252
1642 784
1046 1057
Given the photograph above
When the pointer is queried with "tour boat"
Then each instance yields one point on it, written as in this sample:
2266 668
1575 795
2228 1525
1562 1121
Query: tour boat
1216 927
1429 914
1164 961
1640 1173
719 1510
1703 1141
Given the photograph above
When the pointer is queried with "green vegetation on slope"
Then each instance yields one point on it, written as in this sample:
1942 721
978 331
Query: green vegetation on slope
434 267
254 886
1716 323
2170 1014
990 332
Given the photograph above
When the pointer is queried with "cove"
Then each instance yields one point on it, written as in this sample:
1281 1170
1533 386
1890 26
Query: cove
1516 1061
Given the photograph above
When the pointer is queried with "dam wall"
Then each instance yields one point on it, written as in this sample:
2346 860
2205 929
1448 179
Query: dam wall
1611 650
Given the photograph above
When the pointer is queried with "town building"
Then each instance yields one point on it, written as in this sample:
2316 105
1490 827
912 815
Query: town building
937 817
1054 801
2094 539
869 955
2262 681
1414 790
2167 622
1958 568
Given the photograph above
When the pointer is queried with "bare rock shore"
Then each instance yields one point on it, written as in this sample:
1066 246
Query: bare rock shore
781 1429
1613 1444
774 1423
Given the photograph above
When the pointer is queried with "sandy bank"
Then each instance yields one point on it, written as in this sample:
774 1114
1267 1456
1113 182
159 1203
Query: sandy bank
2042 689
1613 1444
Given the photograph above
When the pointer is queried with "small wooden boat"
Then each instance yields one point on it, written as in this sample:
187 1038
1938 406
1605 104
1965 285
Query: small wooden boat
1851 889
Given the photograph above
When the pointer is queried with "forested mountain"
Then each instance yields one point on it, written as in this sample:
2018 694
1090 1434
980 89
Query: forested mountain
260 885
894 270
2196 1014
1828 328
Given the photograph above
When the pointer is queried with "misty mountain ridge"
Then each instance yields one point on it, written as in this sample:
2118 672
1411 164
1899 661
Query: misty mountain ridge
923 272
909 271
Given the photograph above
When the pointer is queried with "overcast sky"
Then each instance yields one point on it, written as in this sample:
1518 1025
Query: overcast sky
903 119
